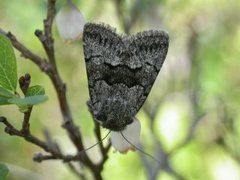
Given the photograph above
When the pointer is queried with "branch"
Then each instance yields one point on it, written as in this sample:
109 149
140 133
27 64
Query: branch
26 53
26 125
9 129
66 159
47 146
49 67
46 36
99 136
39 157
48 44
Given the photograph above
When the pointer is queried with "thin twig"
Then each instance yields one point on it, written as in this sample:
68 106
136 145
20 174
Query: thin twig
60 87
25 124
26 53
39 157
98 135
48 44
11 130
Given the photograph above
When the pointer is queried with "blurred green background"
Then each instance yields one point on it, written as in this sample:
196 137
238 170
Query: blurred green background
191 116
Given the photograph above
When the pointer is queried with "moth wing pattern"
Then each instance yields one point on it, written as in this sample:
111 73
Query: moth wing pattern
121 71
149 50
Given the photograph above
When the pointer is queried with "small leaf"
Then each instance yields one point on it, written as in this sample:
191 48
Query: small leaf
3 171
31 100
4 100
5 93
8 65
35 90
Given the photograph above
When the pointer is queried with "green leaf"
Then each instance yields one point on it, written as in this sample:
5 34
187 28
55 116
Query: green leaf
3 171
8 65
5 93
4 100
35 90
31 100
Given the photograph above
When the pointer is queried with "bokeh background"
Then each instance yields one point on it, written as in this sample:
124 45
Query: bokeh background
191 118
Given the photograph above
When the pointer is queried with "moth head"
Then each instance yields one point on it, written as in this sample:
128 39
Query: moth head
117 125
114 115
114 124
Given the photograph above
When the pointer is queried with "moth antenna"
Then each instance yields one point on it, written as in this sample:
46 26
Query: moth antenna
96 143
140 150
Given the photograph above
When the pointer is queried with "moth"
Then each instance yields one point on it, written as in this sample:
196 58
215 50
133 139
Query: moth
121 71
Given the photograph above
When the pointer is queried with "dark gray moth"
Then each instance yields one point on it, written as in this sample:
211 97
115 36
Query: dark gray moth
121 71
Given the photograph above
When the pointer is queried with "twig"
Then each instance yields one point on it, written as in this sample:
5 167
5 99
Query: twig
9 129
48 44
60 87
39 157
104 150
53 145
98 135
26 53
51 71
24 83
26 125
